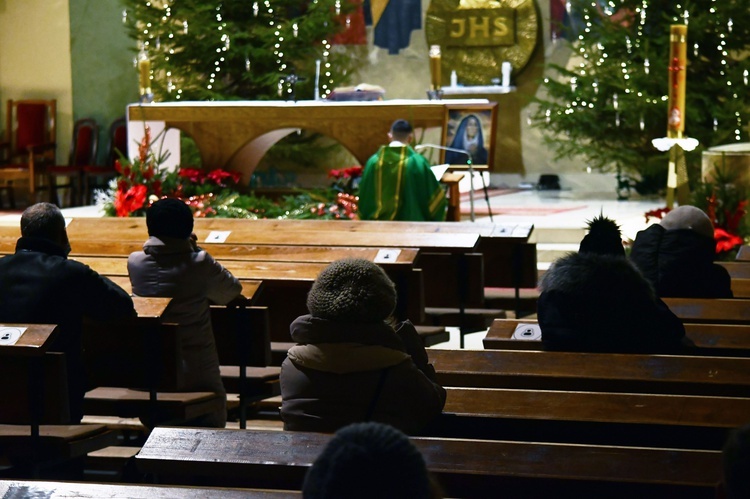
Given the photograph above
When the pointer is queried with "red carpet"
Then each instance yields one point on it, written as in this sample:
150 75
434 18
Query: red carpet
521 211
479 193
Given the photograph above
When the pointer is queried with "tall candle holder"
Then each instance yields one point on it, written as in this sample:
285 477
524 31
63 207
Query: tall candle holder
435 92
144 77
675 142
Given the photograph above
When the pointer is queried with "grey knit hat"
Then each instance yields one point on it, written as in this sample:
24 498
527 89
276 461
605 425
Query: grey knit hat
689 217
352 290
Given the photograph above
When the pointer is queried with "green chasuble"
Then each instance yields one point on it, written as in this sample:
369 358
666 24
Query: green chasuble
398 184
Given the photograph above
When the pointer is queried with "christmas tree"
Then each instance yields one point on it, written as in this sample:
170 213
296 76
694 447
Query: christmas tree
241 49
609 102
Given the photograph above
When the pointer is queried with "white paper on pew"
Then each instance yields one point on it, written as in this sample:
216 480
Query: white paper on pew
527 332
9 335
387 255
218 236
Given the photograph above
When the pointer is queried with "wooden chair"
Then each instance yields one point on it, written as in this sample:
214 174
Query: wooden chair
29 145
83 150
96 176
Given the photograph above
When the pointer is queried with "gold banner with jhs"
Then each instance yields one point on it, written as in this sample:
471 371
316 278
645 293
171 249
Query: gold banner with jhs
482 27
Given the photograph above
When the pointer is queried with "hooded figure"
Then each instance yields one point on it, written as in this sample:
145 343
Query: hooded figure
349 364
677 256
597 300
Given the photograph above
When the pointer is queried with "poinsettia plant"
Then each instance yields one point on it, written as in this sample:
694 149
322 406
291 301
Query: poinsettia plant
216 193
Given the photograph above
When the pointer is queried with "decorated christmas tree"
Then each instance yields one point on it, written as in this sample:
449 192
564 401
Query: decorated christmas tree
240 49
610 100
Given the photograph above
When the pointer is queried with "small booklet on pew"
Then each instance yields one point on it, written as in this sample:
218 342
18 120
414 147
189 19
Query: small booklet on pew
9 335
527 332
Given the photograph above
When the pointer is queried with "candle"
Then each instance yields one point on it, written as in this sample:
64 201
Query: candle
316 94
677 70
144 73
435 66
506 68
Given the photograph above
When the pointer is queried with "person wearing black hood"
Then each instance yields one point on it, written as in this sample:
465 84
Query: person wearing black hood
597 300
350 364
677 256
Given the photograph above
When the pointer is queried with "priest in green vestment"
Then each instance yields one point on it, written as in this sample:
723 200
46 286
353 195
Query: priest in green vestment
398 184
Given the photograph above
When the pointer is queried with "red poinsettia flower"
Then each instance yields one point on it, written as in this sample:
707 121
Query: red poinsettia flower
725 241
353 172
657 213
218 176
126 202
195 175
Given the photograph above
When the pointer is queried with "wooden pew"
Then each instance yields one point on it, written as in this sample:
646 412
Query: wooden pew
710 310
137 368
710 339
633 373
464 468
510 260
60 490
603 418
35 426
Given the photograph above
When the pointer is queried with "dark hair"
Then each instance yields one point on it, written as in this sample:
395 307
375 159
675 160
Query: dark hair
169 217
736 463
369 460
43 220
401 129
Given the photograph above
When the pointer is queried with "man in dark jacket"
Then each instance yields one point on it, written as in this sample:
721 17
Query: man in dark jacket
596 300
349 364
39 285
678 254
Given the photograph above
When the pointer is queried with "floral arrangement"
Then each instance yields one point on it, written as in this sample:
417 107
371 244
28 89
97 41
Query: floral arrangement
215 193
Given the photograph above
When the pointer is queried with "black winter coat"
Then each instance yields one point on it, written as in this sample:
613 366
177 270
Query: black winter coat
680 263
602 303
39 285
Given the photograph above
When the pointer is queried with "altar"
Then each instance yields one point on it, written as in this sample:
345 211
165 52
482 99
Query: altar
235 135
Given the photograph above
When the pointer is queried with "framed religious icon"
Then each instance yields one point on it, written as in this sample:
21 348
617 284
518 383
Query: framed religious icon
469 133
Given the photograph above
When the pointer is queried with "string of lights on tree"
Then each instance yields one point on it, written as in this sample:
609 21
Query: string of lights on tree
610 100
240 49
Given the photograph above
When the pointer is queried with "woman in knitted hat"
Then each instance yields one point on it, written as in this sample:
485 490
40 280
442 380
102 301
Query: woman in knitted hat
678 254
597 300
350 364
172 265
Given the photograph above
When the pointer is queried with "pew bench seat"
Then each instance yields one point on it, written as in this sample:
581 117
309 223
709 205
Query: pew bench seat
59 490
464 468
58 441
129 403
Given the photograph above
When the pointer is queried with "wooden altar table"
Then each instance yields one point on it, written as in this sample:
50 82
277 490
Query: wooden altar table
236 134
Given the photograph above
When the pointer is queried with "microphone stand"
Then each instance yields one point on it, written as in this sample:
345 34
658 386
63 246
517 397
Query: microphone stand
419 147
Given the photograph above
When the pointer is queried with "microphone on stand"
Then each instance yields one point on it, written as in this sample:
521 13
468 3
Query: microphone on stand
419 147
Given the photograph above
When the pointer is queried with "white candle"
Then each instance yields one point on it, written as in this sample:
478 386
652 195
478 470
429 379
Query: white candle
317 80
506 69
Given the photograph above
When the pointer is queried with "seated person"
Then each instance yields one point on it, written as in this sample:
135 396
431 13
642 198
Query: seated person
172 265
39 285
369 461
677 256
350 364
597 300
398 184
